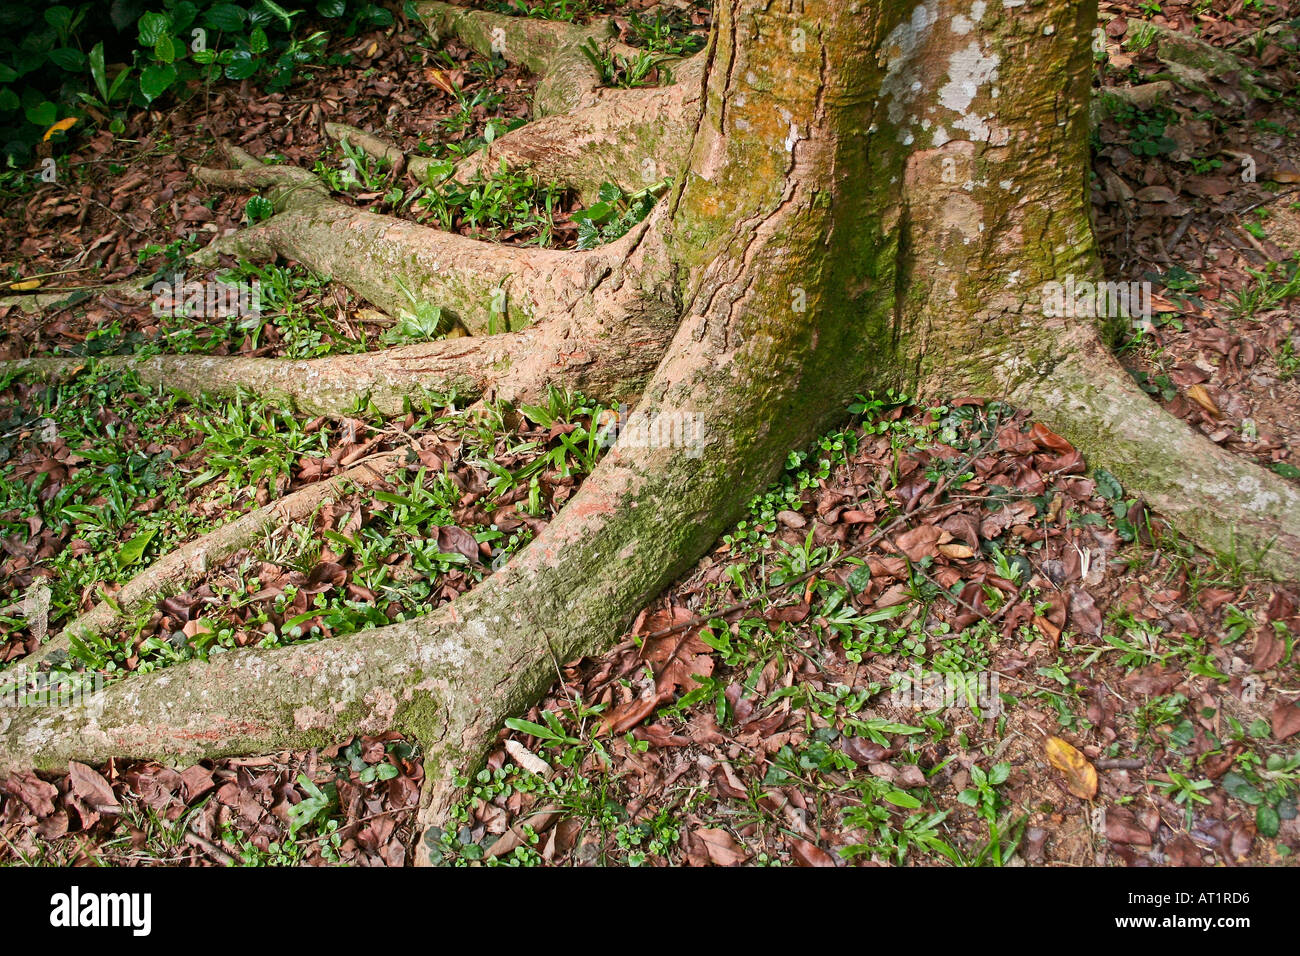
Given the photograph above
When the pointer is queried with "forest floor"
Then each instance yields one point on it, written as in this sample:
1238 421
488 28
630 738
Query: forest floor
1037 672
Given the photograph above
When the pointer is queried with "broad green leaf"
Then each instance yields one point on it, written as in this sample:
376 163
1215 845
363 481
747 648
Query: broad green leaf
900 798
309 808
96 71
597 212
884 614
119 84
225 17
528 727
259 208
1267 821
152 26
164 51
183 15
59 17
1108 485
43 114
134 549
241 65
72 60
155 78
859 578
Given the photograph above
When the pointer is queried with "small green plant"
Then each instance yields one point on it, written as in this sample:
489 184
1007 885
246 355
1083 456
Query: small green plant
1179 280
615 212
983 796
651 838
668 34
250 441
258 208
567 11
624 72
1184 792
1274 284
1287 359
468 108
1141 36
423 322
1146 128
505 201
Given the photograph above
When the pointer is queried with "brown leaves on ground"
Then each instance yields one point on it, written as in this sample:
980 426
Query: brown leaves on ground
1286 719
250 797
136 189
716 768
676 658
1190 194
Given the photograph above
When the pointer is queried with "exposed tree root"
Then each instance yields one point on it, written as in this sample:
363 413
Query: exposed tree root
518 366
631 138
485 286
549 48
741 383
376 148
1224 502
128 290
179 569
628 137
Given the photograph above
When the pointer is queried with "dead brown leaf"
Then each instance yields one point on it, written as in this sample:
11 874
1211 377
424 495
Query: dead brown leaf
1080 775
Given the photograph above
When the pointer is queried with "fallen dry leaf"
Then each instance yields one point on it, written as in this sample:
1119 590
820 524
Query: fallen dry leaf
809 854
721 846
1286 720
1080 775
91 786
527 759
1200 396
919 543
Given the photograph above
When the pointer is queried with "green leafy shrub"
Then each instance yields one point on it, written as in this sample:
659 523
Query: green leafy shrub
64 64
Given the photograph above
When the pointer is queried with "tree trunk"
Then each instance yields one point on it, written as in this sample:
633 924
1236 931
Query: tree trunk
873 194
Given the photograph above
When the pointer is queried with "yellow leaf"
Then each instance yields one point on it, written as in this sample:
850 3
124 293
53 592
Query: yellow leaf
1200 396
26 285
61 126
440 79
1080 776
959 551
371 50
